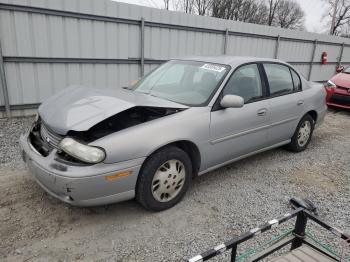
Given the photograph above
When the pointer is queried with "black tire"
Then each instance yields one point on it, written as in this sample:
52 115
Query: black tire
144 183
294 145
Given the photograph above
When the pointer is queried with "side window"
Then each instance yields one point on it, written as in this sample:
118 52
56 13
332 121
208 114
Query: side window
245 82
280 79
296 80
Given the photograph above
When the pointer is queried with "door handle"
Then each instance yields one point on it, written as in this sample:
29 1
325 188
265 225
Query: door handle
300 102
262 112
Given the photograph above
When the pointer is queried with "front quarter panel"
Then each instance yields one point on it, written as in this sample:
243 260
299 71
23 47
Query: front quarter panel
142 140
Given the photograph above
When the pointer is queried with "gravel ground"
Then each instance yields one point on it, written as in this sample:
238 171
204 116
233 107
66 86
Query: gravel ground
220 204
9 134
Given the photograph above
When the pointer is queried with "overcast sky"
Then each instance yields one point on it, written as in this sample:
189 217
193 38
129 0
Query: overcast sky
315 10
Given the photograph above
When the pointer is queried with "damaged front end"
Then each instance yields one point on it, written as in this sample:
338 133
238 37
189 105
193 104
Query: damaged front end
71 180
128 118
44 140
62 152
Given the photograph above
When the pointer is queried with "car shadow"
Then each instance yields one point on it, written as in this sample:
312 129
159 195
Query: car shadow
336 110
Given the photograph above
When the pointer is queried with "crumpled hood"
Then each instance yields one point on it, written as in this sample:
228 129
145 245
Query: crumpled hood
341 79
79 108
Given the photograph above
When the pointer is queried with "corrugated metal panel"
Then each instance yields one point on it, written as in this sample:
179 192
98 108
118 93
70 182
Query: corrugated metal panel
295 51
323 72
122 10
167 43
32 83
302 69
52 36
346 54
28 34
247 46
333 52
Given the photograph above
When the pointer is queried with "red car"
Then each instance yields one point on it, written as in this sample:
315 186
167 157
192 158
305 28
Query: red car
338 89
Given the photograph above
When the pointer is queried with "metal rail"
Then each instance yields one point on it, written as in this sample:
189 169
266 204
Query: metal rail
296 240
72 60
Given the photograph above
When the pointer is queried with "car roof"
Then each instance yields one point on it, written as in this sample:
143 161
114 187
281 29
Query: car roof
228 60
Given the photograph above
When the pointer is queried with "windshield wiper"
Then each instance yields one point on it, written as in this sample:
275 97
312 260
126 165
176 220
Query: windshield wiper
127 87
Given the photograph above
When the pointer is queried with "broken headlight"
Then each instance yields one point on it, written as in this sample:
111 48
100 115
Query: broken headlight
85 153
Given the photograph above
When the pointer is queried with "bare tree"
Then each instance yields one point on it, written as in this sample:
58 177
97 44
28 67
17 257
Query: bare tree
186 6
227 9
222 9
340 14
289 14
272 7
166 4
203 6
282 13
252 11
249 11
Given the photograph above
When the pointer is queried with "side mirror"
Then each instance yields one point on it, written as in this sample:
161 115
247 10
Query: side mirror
232 101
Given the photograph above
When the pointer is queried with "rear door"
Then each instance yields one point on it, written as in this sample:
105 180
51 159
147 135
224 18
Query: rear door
285 101
237 131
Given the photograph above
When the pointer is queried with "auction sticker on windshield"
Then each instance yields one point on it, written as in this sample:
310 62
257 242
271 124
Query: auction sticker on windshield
212 67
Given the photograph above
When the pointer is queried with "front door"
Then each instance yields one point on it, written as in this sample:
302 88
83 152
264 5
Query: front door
235 132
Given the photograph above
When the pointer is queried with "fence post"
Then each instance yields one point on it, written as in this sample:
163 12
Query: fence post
3 85
142 46
341 54
277 46
299 230
226 41
312 59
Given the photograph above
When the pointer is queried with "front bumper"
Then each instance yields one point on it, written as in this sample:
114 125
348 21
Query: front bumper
338 98
81 185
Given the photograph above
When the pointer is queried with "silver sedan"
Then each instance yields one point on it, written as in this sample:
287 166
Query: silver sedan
185 118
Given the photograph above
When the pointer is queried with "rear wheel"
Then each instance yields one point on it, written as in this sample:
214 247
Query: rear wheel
302 135
164 179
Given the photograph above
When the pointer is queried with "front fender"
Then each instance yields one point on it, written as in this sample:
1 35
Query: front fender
141 140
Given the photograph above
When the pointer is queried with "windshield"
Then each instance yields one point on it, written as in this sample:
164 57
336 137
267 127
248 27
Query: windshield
347 70
187 82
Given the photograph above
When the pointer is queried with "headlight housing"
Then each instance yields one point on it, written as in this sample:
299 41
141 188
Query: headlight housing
330 84
85 153
36 117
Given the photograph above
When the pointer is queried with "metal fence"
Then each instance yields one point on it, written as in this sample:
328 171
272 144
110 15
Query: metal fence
48 45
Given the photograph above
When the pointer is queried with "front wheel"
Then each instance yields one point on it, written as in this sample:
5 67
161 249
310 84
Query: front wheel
164 179
302 135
